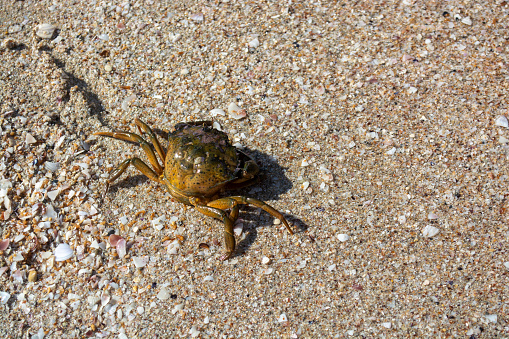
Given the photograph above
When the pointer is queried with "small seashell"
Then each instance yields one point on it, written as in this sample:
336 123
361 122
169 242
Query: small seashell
237 229
194 332
467 21
52 166
236 112
197 17
208 278
203 246
158 223
254 43
63 252
45 31
265 260
105 298
177 308
387 325
4 244
29 139
173 247
18 276
121 248
127 101
432 216
217 111
343 237
32 276
140 261
113 239
430 231
491 318
53 194
282 318
268 271
4 297
501 121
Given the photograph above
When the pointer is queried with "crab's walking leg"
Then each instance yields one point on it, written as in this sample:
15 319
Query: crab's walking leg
229 239
267 208
133 137
227 203
136 162
152 137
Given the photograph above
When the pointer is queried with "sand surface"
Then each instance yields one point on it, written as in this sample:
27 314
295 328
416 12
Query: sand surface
381 127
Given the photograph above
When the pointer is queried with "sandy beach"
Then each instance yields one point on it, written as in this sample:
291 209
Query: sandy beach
380 127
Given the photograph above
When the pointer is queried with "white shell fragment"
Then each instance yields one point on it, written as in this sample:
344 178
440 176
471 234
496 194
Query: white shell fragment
236 112
282 318
4 297
29 139
491 318
63 252
216 112
430 231
254 43
52 166
343 237
45 31
140 261
501 121
265 260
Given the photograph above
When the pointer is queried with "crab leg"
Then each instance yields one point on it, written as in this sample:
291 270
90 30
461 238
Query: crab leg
136 162
133 137
267 208
153 138
229 239
226 203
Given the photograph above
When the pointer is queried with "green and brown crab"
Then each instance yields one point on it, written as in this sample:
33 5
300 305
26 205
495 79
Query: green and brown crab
200 162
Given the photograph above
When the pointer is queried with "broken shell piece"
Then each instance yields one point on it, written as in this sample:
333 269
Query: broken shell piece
140 261
121 248
4 244
63 252
45 31
236 112
430 231
113 239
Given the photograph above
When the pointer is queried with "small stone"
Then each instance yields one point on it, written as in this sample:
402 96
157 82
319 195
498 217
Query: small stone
45 31
412 90
387 325
392 151
140 261
108 68
501 121
282 318
197 17
163 294
265 260
184 71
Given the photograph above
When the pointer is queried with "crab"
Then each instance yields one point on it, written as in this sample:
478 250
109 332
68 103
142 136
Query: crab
199 164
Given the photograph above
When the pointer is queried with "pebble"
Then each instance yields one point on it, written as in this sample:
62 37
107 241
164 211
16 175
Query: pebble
282 318
45 31
265 260
164 294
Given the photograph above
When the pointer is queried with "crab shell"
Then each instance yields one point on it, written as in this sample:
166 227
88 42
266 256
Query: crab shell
201 161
